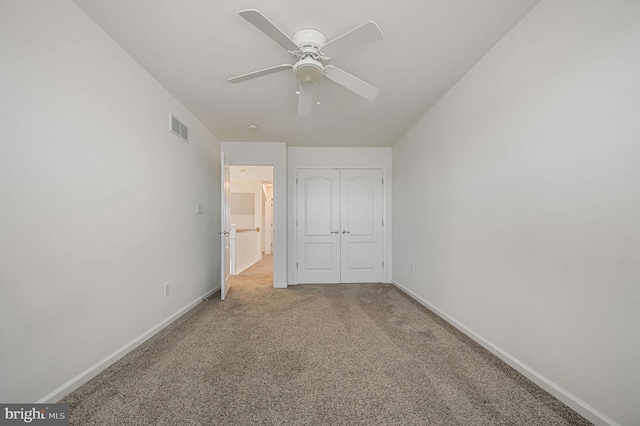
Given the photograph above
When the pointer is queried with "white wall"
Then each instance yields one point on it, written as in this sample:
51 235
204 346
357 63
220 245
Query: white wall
525 182
268 219
378 158
254 187
264 154
98 202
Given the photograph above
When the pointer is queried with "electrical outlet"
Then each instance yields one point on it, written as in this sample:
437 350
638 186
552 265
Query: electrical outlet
167 289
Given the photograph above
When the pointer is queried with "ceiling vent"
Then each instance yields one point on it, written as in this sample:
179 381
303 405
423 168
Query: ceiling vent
178 128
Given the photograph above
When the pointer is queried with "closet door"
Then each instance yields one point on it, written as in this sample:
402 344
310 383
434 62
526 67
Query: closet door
318 226
361 226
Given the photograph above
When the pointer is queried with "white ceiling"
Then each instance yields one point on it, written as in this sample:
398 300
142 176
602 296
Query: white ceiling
259 173
193 46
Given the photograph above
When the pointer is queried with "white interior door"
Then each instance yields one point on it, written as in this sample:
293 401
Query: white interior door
225 222
361 223
318 226
339 226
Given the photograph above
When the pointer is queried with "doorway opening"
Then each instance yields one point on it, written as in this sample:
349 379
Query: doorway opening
251 222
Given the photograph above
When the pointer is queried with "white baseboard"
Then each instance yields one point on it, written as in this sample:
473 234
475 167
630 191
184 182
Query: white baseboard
105 363
567 398
280 285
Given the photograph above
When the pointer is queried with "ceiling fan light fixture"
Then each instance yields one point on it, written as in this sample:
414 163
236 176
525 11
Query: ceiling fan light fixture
308 70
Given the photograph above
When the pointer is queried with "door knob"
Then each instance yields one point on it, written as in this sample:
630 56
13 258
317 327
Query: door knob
335 232
346 232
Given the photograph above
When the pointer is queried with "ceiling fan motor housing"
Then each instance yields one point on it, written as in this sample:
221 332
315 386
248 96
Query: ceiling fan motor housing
309 40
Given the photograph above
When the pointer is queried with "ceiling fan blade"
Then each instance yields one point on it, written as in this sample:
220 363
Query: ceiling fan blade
260 73
351 82
357 37
267 27
305 98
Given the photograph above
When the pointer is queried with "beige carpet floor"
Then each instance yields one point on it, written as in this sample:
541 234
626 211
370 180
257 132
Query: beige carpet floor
351 354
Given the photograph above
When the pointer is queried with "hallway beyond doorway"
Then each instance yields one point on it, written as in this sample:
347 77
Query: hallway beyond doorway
259 274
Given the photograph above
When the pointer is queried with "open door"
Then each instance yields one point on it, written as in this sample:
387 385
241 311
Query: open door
225 225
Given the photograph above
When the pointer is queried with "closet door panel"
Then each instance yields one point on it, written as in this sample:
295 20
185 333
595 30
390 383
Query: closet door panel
361 221
318 224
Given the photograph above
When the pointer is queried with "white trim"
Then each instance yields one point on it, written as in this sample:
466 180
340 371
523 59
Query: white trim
106 362
567 398
280 285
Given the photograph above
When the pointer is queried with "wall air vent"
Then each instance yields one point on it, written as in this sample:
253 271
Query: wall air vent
176 127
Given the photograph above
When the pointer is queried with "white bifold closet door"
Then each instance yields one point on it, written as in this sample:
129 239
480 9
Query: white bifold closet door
339 225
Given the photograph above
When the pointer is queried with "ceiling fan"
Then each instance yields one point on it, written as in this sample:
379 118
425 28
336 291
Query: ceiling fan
310 47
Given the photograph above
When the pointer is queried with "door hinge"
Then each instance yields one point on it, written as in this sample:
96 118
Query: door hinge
383 263
296 181
383 181
296 265
296 222
382 222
